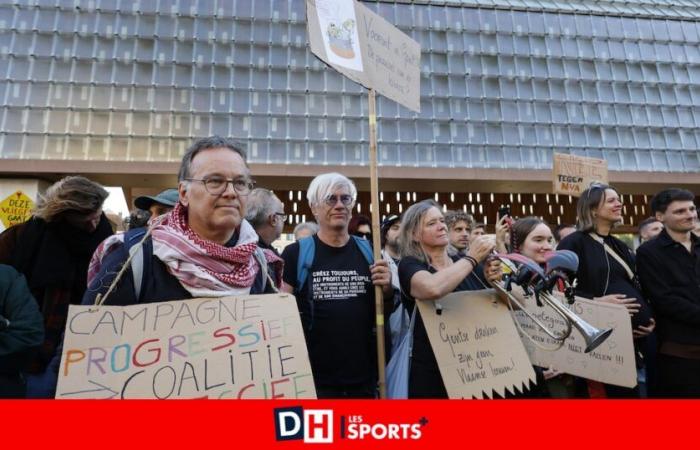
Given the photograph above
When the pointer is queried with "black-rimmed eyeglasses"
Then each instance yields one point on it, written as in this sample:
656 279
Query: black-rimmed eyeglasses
218 185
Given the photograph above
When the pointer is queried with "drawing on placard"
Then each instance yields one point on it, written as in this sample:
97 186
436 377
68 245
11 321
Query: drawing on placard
339 32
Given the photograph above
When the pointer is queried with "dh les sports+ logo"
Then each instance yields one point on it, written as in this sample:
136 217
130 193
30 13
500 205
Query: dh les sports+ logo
316 426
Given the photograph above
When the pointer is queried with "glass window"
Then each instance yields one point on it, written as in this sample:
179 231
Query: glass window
632 51
541 90
572 69
647 51
652 93
675 31
668 96
673 139
525 91
685 117
526 112
543 113
629 27
690 31
623 114
587 70
683 95
603 69
599 27
670 117
570 48
634 71
553 45
662 52
617 50
539 67
455 42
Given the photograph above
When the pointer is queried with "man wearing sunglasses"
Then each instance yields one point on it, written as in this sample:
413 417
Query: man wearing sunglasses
336 298
203 248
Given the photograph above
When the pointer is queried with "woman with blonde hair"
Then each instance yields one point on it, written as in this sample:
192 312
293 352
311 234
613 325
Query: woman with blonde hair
53 249
427 272
606 270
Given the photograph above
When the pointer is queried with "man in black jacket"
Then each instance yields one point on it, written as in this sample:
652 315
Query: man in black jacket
669 271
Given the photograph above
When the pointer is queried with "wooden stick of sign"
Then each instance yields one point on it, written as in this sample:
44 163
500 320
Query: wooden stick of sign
376 243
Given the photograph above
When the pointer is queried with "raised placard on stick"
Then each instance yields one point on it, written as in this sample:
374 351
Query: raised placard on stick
571 174
233 347
366 48
476 345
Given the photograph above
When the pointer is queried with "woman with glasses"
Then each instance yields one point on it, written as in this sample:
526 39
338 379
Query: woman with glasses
607 270
427 272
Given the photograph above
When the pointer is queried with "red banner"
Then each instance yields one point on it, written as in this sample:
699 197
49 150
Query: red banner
523 424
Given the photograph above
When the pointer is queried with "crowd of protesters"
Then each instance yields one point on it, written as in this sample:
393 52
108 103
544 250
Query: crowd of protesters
213 237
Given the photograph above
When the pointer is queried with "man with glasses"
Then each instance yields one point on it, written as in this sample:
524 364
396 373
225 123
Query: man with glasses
266 215
333 279
203 248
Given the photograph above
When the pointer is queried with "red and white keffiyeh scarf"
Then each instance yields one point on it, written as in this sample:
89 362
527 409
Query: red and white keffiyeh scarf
205 268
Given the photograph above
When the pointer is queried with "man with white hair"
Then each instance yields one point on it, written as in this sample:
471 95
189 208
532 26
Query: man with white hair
266 215
333 277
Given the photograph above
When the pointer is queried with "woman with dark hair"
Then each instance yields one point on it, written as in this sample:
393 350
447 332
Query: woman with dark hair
360 226
606 270
532 237
427 272
53 250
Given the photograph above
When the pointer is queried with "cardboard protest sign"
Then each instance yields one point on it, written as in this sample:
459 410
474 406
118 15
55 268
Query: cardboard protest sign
365 48
612 362
476 345
571 174
233 347
15 209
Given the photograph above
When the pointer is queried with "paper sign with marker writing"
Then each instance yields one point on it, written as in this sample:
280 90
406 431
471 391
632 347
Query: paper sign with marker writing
476 345
233 347
571 174
366 48
612 362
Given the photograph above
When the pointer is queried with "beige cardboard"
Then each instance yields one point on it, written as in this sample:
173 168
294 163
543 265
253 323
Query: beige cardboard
389 60
612 362
476 345
571 174
233 347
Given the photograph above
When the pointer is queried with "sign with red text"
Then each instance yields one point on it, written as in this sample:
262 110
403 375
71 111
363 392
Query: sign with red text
571 174
232 347
476 345
366 48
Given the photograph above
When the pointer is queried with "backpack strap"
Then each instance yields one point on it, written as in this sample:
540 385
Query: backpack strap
365 248
139 259
262 262
307 250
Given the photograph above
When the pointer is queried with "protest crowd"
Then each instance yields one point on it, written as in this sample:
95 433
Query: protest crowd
213 236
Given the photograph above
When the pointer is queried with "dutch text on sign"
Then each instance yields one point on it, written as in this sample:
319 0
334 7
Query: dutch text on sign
233 347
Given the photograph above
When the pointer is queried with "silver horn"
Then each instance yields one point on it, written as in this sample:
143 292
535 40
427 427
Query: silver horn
533 279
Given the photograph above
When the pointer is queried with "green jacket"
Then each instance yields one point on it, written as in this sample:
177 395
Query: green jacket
25 331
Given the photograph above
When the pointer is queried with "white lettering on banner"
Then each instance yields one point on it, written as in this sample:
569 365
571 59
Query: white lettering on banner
338 284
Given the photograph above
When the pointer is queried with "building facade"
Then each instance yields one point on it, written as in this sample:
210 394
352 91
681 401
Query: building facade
118 89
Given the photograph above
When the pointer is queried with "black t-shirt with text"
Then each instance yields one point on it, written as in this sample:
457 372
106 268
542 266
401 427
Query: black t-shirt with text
339 320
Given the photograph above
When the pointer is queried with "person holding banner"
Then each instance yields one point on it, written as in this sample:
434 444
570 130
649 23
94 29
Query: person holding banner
203 248
427 272
332 275
669 270
606 269
532 237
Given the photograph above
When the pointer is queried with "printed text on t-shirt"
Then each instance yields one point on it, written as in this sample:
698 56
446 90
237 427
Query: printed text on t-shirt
338 284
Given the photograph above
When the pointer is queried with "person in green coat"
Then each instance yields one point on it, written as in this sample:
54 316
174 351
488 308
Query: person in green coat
21 331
